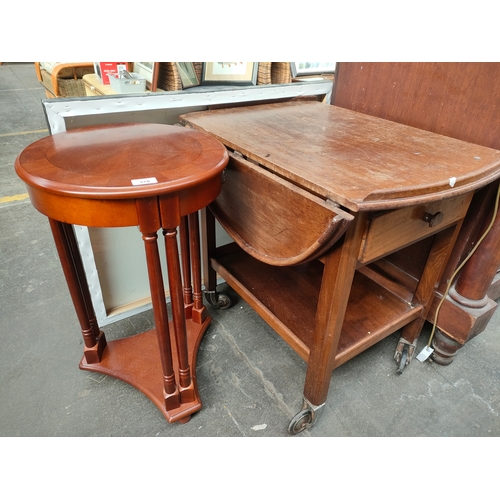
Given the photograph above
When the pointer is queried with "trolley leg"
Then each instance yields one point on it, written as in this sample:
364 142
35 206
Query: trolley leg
215 299
434 267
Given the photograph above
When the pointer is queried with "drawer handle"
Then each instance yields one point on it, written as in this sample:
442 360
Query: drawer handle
433 219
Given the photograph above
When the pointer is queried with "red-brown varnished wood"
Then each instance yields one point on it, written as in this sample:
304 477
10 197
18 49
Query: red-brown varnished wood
456 100
94 340
434 267
467 284
186 264
400 185
356 160
135 360
338 275
100 162
474 225
149 220
373 312
175 286
90 171
199 311
250 209
285 296
154 176
380 239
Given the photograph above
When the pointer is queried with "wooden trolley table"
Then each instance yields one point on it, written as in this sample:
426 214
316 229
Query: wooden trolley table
315 197
155 177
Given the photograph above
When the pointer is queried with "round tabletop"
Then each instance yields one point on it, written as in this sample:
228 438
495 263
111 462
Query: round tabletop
121 160
67 173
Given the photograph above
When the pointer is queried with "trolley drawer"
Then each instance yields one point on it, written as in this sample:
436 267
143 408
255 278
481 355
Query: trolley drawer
389 231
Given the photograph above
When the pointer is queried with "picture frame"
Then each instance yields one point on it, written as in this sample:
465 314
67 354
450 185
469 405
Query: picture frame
187 74
229 73
149 70
311 68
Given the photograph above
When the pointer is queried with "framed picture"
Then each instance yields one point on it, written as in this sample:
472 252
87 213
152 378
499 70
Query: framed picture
149 70
311 68
187 74
230 73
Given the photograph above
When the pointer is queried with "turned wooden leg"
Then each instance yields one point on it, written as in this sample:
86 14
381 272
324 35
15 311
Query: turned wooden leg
199 312
186 265
459 321
445 348
467 310
149 222
158 299
475 278
186 385
69 255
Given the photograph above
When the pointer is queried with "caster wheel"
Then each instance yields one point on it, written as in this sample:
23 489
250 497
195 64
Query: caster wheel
300 422
219 300
402 362
223 301
211 298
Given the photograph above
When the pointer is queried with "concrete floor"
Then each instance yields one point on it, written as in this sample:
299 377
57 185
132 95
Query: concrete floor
250 381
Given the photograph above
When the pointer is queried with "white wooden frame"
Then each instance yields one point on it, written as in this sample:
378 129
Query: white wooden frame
160 107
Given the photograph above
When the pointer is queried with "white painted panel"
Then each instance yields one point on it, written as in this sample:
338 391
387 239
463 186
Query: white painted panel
121 262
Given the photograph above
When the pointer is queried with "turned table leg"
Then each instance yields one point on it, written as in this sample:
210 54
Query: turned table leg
199 313
69 255
149 221
467 309
146 175
186 264
186 386
160 313
162 362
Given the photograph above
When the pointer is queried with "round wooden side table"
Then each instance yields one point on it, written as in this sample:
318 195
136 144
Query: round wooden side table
153 176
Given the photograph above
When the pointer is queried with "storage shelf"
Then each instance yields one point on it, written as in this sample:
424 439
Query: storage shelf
287 298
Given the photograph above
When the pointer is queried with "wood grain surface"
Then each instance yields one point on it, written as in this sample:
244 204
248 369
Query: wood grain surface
359 161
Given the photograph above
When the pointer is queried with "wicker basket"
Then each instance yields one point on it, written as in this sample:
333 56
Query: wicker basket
169 78
280 72
66 82
264 73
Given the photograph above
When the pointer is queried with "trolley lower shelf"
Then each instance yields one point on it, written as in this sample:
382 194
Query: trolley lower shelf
287 297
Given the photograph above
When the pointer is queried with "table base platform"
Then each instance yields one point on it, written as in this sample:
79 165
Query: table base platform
136 361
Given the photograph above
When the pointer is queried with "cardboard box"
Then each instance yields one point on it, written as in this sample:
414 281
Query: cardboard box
103 68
